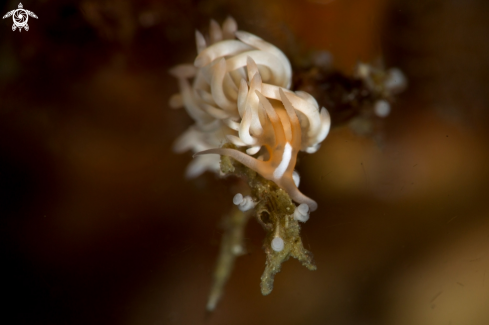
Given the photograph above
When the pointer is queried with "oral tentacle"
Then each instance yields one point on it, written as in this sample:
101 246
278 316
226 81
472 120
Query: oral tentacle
287 183
284 163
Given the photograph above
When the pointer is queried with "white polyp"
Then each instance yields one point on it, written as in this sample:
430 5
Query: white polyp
323 59
244 203
396 81
238 199
301 213
247 204
296 178
237 250
382 108
363 70
278 244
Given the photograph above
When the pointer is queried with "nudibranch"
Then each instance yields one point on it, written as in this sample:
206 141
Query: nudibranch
237 90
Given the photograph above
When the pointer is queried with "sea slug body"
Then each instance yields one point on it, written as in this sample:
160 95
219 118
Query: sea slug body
237 91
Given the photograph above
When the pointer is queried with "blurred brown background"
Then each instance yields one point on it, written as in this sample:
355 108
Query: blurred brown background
99 226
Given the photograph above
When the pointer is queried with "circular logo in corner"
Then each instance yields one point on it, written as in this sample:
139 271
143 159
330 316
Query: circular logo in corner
20 17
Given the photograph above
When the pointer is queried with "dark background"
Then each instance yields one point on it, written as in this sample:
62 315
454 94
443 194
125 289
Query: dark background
99 226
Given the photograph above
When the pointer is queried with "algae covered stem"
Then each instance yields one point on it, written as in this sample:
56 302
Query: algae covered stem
231 246
275 211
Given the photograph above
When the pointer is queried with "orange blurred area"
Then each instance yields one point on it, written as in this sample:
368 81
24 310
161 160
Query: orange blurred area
99 225
350 30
